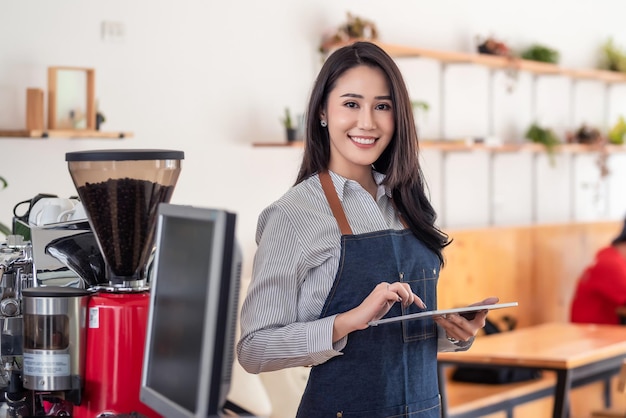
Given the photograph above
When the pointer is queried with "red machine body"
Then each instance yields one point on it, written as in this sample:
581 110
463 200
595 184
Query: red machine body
116 335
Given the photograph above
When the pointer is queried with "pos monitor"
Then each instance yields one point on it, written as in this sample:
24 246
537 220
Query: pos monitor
195 279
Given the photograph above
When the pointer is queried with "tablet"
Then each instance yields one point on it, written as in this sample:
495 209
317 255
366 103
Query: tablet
439 312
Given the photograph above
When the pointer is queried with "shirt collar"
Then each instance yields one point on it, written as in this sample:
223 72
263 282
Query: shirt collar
378 178
341 184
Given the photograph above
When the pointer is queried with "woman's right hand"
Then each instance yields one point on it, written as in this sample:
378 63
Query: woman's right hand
374 306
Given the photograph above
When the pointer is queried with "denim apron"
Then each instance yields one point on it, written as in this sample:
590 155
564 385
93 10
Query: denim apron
389 370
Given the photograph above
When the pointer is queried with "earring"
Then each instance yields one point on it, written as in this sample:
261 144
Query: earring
323 123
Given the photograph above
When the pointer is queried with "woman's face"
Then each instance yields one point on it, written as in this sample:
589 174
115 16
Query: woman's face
360 118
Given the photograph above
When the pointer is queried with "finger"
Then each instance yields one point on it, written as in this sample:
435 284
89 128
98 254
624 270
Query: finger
457 323
404 291
392 293
454 326
406 295
480 317
418 301
383 286
489 301
451 330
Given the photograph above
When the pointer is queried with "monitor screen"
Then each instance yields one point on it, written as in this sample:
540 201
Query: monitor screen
191 325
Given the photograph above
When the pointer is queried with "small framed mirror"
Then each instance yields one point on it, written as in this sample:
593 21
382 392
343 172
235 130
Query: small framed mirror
71 98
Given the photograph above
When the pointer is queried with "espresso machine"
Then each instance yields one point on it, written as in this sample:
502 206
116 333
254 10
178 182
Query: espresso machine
83 345
42 337
16 273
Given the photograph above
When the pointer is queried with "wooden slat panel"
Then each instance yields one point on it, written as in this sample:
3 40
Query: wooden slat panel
561 253
488 262
537 266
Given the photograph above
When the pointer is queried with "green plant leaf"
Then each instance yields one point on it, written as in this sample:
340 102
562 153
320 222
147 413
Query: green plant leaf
419 104
614 56
617 132
287 122
541 53
544 136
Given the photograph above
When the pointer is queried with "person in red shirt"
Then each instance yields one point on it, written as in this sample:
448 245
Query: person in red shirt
602 287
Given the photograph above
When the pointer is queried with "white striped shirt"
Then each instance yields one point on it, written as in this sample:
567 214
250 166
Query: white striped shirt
294 269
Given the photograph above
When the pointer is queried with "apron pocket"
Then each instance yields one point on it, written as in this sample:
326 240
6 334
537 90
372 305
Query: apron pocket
420 329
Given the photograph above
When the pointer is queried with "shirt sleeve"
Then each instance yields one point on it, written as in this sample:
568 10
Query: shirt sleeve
273 336
445 345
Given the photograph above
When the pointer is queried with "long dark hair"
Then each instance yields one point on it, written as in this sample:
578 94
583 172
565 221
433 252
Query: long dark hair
399 162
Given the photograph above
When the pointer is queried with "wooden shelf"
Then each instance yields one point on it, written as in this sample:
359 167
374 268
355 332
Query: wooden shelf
64 133
462 145
294 144
496 62
493 61
453 146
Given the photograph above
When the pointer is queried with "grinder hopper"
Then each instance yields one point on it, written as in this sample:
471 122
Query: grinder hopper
120 191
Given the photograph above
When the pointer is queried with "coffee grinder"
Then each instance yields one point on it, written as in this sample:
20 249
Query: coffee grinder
120 191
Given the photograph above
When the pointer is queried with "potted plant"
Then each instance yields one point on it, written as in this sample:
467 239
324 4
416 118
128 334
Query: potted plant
3 228
545 136
541 53
617 133
290 128
614 56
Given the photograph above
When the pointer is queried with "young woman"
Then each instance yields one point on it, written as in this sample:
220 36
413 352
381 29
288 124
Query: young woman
354 240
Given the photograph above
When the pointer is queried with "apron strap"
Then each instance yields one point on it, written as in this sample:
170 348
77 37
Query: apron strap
335 204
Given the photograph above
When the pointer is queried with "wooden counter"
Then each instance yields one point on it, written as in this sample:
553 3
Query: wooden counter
578 353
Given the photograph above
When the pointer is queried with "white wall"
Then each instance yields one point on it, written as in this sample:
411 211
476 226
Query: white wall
212 77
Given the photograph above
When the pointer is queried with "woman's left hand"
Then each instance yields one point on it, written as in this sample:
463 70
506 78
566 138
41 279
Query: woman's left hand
459 328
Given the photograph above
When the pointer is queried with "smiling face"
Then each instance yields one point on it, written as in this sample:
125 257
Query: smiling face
360 118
